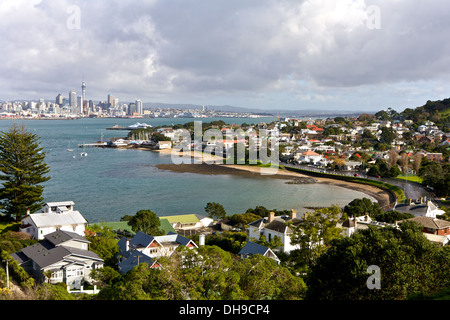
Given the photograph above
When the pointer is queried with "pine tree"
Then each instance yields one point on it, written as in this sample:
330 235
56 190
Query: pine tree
22 170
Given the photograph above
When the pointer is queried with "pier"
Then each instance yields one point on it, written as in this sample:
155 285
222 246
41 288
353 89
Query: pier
116 127
92 145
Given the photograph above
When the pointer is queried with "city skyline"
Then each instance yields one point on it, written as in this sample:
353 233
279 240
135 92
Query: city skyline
284 55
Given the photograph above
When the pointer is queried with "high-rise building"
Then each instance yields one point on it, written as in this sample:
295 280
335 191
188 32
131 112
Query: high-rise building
59 99
139 109
80 105
73 100
110 100
83 95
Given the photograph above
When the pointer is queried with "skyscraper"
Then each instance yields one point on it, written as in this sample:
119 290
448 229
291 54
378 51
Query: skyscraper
83 95
139 107
73 100
59 99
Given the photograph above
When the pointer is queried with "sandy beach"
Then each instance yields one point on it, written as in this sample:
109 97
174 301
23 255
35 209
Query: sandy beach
382 196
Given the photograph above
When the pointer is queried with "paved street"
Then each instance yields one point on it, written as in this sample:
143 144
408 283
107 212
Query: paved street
412 190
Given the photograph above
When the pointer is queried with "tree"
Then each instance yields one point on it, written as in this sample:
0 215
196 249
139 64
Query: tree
215 210
146 221
409 264
260 211
436 176
22 170
359 207
313 235
387 135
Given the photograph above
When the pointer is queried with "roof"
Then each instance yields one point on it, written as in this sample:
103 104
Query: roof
47 252
184 218
44 257
60 236
135 258
431 223
141 239
60 203
253 248
278 224
52 219
349 223
310 153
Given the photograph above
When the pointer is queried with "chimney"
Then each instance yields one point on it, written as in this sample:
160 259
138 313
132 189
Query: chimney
410 201
28 212
201 239
421 200
366 217
271 216
428 203
293 214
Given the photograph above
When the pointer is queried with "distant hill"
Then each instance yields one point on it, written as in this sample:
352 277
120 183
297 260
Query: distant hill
281 113
443 106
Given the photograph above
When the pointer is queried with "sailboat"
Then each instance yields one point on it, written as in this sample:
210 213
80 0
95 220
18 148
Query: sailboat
69 149
84 153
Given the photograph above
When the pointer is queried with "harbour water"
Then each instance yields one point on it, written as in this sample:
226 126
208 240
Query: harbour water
110 183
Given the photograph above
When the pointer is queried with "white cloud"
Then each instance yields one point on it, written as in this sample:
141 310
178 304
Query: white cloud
297 53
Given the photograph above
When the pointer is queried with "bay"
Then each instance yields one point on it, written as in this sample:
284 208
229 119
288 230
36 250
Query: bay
110 183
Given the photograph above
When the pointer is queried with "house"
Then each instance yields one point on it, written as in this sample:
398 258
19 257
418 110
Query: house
65 254
354 224
352 165
189 222
54 216
274 226
135 258
145 248
308 156
252 248
434 157
436 230
427 209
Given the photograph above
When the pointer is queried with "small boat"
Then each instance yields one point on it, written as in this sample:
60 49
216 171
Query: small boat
83 154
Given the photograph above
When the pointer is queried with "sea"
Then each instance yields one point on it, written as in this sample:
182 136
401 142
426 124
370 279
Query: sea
109 183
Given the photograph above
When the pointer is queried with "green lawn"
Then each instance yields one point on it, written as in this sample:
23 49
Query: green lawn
8 226
410 178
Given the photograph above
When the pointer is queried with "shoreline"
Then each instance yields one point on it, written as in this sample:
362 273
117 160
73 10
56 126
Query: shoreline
381 196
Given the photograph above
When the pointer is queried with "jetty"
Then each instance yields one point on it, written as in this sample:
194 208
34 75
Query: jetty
92 145
116 127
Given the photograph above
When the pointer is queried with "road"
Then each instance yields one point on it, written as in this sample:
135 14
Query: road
412 190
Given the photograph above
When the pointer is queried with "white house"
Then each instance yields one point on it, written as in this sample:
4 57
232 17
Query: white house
274 226
308 156
427 209
145 248
54 216
186 222
64 254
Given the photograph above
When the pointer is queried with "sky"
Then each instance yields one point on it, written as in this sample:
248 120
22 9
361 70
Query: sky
267 54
